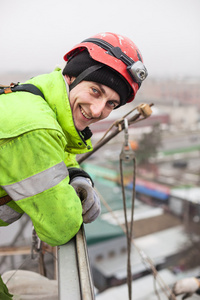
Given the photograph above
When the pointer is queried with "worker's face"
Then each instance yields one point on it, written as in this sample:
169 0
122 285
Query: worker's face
91 102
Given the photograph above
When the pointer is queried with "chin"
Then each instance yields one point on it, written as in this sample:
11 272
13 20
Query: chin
80 128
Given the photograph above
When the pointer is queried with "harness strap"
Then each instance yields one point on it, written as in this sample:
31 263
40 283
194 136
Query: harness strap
5 200
31 88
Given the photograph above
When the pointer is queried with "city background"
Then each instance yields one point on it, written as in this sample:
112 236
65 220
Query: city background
35 36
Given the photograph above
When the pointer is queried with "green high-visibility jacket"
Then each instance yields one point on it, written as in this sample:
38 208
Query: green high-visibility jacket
38 141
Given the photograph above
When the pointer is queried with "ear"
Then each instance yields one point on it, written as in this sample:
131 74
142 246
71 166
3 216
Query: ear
69 79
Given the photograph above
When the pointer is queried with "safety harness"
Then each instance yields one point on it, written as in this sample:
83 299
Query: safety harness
16 87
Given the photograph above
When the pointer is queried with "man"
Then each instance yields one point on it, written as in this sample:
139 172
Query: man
42 133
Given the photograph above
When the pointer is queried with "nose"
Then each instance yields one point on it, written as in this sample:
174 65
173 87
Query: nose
97 109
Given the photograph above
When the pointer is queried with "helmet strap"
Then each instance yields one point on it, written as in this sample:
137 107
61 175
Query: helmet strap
84 74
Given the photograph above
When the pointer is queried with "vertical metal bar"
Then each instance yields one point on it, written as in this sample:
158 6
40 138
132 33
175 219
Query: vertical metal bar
55 255
68 277
74 275
86 282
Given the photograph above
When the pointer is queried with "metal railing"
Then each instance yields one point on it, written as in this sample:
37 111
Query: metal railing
74 275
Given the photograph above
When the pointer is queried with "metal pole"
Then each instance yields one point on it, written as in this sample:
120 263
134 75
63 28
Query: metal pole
74 275
86 283
68 277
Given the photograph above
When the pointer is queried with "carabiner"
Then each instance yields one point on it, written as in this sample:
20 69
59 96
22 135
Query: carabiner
36 244
127 153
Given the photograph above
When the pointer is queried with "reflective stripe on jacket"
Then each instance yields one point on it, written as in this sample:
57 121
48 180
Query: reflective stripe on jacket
37 141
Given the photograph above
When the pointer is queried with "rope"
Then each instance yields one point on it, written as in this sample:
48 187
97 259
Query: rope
127 156
129 230
145 259
26 261
155 288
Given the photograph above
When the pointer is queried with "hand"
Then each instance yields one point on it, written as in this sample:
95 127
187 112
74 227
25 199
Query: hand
90 200
186 286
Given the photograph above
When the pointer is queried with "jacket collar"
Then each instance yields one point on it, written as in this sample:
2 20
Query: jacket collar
56 90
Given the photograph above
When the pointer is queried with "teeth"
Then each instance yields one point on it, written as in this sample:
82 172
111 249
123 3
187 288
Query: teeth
84 113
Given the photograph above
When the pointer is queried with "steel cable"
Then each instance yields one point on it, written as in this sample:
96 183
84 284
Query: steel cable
144 258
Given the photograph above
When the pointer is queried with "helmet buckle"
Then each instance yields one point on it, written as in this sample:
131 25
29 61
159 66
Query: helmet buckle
115 51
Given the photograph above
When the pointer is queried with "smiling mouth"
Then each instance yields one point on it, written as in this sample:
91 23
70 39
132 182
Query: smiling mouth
84 114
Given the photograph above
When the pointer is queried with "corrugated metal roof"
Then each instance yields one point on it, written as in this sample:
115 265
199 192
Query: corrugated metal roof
189 194
158 246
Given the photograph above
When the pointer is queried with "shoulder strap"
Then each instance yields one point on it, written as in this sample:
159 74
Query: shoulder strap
31 88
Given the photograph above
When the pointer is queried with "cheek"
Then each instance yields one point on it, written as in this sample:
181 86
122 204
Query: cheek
71 100
77 98
106 113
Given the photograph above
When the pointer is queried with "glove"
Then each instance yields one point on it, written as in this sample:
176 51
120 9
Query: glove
186 286
90 200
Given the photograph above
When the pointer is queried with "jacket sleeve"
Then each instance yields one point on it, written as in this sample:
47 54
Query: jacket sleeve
37 179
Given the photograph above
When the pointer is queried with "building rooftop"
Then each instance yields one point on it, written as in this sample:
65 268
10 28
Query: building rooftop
191 194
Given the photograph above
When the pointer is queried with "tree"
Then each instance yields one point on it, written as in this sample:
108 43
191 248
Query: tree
149 144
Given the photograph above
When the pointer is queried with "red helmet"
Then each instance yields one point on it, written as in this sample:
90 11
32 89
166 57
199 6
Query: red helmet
117 52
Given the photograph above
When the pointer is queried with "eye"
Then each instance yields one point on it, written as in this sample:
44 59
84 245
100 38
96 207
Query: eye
112 104
95 91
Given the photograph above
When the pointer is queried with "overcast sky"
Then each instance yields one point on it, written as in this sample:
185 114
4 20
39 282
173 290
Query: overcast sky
36 34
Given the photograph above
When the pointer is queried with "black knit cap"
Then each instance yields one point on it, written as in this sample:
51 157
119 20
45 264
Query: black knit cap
105 75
